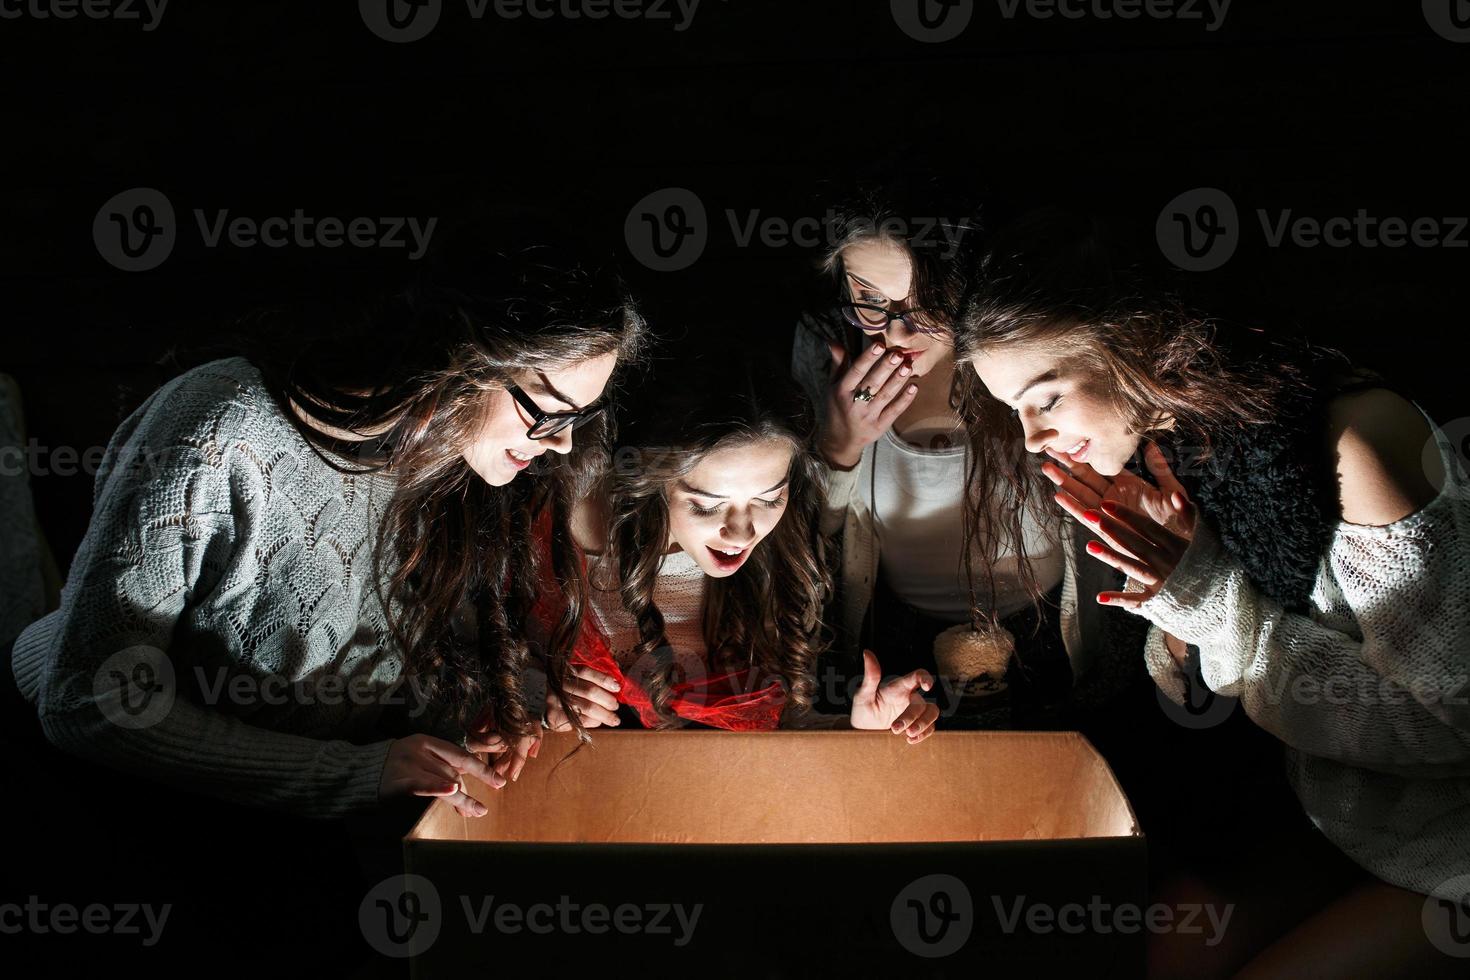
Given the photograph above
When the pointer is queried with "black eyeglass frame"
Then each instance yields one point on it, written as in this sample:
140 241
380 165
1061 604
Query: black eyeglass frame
849 313
558 420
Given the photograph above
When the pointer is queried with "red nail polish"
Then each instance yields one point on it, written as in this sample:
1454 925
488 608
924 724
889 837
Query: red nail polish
1094 548
1092 516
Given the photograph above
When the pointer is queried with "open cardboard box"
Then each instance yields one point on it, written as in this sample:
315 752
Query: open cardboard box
782 854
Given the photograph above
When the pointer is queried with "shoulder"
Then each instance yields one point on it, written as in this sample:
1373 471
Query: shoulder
1376 439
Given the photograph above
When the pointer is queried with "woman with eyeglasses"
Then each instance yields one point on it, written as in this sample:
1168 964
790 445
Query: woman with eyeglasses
927 542
293 554
707 572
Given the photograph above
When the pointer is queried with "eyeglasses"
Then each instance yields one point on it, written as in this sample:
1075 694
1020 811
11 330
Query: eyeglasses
875 319
546 424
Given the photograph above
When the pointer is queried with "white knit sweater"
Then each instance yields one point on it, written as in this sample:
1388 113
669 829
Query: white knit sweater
1368 690
221 538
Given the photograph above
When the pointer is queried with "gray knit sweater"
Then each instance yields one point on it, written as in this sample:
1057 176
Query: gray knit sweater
220 629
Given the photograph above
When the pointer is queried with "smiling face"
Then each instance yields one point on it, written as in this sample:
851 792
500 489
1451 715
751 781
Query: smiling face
1062 404
880 272
502 449
722 508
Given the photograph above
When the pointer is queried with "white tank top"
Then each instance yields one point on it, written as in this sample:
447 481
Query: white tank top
917 497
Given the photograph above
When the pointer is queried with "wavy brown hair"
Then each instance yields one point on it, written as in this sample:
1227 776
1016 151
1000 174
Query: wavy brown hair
1053 280
412 375
768 616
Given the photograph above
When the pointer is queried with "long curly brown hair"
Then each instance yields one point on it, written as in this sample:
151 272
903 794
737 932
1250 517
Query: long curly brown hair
768 616
454 559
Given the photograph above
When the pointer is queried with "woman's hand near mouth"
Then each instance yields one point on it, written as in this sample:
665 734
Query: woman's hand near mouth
855 423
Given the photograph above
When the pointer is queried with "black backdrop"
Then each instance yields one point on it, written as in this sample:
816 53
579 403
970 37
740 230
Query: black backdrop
263 108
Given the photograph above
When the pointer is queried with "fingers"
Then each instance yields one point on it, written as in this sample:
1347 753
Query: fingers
1124 538
510 764
449 788
924 726
1069 484
872 675
590 692
605 681
1082 473
593 714
1170 543
858 369
467 805
898 406
895 385
460 761
1126 600
1126 564
485 742
1163 474
915 718
908 682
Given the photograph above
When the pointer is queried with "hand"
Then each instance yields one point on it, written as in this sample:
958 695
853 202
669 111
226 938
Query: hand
1082 488
851 426
422 765
1139 547
593 696
896 705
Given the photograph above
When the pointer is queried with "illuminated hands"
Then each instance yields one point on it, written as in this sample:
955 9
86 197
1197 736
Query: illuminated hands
421 765
895 705
593 696
854 420
1144 529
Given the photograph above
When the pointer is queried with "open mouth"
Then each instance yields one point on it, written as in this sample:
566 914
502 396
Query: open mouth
519 460
1079 451
728 559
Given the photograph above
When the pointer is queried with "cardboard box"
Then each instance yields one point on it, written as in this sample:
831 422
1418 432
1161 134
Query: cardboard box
705 853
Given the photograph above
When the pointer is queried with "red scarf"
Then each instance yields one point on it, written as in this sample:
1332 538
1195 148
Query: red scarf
718 701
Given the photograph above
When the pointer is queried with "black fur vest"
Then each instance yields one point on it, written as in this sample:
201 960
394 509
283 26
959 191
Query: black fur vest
1271 490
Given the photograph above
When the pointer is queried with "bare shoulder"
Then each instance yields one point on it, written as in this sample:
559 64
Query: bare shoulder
1377 439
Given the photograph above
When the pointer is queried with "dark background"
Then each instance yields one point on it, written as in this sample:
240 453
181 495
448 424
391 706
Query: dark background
264 107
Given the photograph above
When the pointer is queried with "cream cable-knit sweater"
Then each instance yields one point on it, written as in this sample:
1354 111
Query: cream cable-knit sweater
1368 690
220 537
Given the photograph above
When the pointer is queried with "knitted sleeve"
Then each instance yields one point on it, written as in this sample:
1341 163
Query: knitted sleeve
166 517
1382 685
